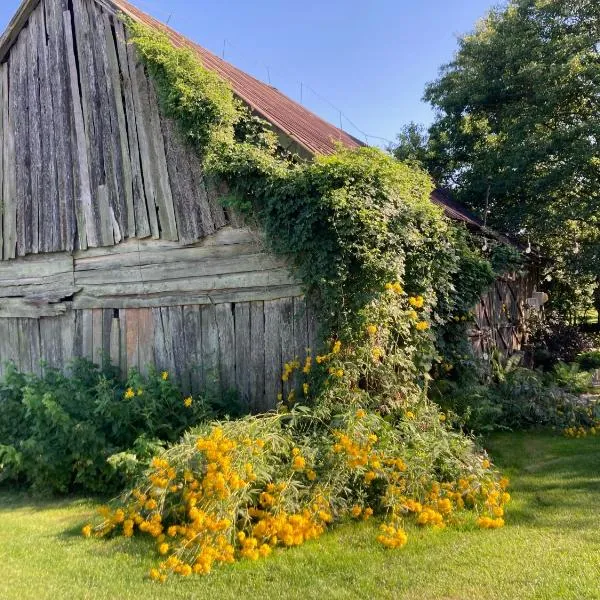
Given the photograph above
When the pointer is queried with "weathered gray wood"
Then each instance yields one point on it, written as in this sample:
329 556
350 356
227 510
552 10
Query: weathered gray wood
164 197
142 226
210 349
48 206
139 87
67 324
257 356
243 351
97 333
177 342
86 220
181 299
63 224
272 345
3 102
226 329
9 182
120 127
20 307
132 339
51 348
115 342
300 335
288 345
36 266
87 334
145 322
192 330
111 140
35 133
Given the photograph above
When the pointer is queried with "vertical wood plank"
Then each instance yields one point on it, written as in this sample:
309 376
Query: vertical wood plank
226 328
257 356
145 339
132 338
288 344
273 361
210 349
9 182
87 334
192 327
242 351
97 335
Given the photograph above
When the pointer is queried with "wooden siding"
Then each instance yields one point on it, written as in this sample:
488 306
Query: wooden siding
219 347
86 158
502 313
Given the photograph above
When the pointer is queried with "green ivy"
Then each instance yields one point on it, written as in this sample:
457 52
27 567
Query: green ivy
349 223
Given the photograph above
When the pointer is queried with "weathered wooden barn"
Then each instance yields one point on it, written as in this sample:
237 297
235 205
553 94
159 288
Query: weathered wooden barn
113 242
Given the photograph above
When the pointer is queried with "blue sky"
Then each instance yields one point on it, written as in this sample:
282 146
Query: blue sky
370 58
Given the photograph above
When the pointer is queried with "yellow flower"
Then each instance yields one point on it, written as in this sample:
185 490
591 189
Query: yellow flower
298 463
442 417
129 394
416 301
356 511
410 415
305 388
188 402
486 464
377 353
371 329
360 413
87 531
413 314
163 548
422 326
337 347
164 375
311 475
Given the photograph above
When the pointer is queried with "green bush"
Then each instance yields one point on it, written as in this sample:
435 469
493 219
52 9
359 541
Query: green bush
589 361
59 430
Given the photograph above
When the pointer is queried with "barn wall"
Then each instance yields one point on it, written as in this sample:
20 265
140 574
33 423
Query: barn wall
86 158
222 313
502 313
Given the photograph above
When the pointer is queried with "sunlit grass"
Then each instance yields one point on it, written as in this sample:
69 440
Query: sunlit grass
549 549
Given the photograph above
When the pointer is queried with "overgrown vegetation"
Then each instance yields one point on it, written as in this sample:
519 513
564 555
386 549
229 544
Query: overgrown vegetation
87 430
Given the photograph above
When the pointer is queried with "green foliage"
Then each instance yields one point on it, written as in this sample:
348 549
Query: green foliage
589 361
350 224
59 430
518 117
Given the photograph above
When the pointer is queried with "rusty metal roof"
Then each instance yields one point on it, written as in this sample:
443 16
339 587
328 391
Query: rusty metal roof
304 127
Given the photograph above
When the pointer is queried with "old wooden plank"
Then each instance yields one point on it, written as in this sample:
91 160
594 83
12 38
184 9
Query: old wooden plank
132 339
164 196
90 99
181 299
86 219
139 89
18 91
49 181
177 342
111 143
34 344
87 334
192 329
210 350
107 220
180 270
115 342
3 102
36 266
67 326
243 364
301 328
97 334
145 338
257 356
21 308
288 344
23 345
9 182
272 345
138 256
64 224
210 283
51 342
186 207
124 169
35 128
142 226
226 329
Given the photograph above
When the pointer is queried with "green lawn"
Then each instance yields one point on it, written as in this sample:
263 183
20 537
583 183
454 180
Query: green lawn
549 549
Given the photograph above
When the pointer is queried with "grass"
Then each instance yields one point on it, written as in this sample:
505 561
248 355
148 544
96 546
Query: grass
549 549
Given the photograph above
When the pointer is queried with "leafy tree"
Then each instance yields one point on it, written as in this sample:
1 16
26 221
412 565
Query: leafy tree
518 127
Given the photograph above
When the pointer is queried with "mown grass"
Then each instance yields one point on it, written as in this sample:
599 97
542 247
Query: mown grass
549 549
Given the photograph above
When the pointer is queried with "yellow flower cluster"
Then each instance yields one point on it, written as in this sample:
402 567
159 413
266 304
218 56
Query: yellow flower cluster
129 394
422 326
416 301
395 288
392 537
581 431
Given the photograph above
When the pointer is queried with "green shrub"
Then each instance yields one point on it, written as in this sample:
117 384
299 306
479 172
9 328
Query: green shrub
589 361
59 430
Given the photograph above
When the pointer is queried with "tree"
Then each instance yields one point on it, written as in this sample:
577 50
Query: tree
518 126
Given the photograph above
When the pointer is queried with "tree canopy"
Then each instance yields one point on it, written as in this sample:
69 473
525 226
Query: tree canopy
518 125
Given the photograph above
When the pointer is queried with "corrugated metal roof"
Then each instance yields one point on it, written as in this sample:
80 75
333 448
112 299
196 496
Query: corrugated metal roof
304 127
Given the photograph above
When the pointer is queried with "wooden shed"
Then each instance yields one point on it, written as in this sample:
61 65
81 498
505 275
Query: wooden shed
112 240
